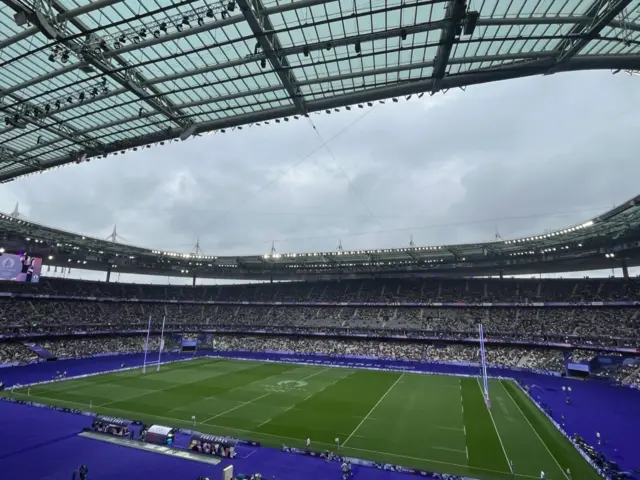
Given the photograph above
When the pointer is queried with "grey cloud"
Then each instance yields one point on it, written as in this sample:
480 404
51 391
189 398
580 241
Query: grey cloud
524 155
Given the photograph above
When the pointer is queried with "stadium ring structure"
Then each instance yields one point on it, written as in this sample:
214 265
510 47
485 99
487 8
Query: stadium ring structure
611 240
83 79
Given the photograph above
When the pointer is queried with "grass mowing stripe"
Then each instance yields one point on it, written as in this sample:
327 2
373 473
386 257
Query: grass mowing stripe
154 392
464 428
536 431
496 429
374 407
561 449
258 398
243 385
103 378
485 452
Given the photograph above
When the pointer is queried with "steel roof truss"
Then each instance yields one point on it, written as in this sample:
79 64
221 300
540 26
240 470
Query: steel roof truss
456 10
134 76
602 13
90 52
26 111
263 30
8 155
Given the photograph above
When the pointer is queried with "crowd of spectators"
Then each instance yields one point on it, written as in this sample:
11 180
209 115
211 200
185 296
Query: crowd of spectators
115 307
471 290
15 352
537 359
79 347
63 348
613 326
500 356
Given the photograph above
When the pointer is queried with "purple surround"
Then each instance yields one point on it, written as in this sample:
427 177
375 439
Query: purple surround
43 444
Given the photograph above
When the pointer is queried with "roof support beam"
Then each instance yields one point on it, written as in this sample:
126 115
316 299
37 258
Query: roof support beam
264 31
523 69
380 35
271 89
129 79
346 76
172 37
536 67
602 12
138 78
58 128
8 155
456 10
68 15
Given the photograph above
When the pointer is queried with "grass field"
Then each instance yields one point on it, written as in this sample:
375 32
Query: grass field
433 422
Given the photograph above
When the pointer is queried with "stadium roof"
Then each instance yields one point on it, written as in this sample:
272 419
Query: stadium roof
603 242
82 79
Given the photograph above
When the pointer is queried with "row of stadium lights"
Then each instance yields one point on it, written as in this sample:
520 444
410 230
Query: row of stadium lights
178 22
365 264
184 255
552 234
83 157
545 250
276 256
59 52
42 110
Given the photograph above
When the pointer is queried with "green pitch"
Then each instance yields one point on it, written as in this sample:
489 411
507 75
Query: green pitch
432 422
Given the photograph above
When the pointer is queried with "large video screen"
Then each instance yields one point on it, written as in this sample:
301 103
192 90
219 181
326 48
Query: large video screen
20 268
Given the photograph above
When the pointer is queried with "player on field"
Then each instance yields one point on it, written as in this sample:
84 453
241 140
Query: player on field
308 443
542 475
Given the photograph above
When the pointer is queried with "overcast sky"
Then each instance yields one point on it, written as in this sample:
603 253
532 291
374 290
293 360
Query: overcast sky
521 156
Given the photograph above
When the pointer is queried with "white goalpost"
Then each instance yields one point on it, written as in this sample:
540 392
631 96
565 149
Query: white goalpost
483 367
146 348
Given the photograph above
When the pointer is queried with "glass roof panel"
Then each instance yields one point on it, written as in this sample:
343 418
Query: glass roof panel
132 71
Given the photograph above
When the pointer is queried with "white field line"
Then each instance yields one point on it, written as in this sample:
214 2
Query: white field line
271 418
464 427
104 377
452 429
535 431
295 404
84 382
261 396
374 407
189 424
237 407
448 449
231 390
496 429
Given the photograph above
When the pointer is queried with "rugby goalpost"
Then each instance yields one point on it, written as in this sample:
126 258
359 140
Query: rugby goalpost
158 362
483 367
